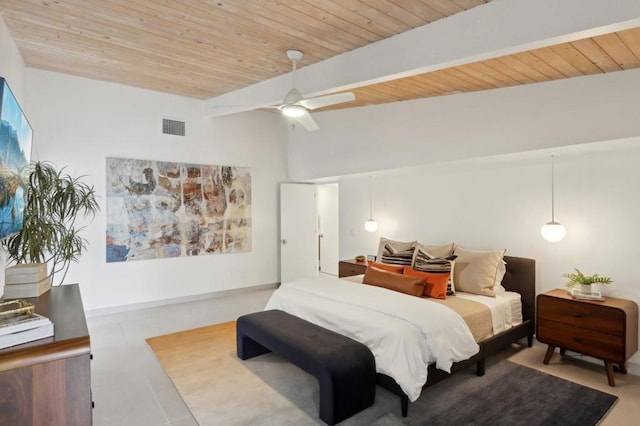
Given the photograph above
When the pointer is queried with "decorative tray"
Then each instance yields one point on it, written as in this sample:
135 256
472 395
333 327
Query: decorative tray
13 308
594 295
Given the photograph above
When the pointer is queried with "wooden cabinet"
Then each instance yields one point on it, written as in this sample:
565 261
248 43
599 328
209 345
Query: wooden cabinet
48 381
605 330
348 268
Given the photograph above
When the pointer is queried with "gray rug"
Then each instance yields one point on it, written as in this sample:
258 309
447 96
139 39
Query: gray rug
509 394
220 389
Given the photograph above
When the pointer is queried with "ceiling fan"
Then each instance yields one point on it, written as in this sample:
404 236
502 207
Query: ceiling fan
297 107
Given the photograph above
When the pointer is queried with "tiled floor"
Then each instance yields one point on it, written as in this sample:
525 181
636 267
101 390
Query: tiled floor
128 384
130 388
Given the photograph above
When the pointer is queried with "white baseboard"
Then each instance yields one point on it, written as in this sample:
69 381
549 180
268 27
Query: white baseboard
195 297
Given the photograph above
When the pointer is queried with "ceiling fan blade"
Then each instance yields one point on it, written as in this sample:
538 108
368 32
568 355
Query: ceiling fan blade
307 121
323 101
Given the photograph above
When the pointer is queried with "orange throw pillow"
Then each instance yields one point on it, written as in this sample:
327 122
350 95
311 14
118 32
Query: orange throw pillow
387 267
394 281
436 284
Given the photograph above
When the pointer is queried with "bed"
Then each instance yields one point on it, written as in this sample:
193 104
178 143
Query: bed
410 353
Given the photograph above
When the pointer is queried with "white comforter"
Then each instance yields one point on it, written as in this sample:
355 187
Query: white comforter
404 333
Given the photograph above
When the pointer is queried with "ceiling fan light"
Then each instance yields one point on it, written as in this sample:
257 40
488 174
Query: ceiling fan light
293 110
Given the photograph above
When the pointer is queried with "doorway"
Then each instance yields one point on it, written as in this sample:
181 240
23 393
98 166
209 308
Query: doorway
308 230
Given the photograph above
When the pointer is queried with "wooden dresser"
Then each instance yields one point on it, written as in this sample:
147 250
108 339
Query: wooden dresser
605 330
48 381
349 268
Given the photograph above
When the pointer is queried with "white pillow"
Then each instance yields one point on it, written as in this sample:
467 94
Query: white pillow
502 270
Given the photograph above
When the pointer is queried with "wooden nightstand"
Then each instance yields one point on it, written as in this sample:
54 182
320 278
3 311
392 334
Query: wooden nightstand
605 330
348 268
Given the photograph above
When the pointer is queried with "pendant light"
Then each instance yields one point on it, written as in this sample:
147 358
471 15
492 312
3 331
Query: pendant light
371 225
553 231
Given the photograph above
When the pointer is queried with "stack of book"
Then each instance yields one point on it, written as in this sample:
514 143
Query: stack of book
21 325
26 280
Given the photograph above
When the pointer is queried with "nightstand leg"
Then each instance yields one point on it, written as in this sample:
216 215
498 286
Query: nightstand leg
608 365
623 368
547 356
562 351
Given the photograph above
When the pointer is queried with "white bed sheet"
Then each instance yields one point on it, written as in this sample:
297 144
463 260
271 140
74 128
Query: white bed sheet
404 333
506 308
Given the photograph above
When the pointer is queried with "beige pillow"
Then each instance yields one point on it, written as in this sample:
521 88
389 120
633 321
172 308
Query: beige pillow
476 270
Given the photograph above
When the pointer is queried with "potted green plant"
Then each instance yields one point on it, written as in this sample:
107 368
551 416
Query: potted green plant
56 203
584 281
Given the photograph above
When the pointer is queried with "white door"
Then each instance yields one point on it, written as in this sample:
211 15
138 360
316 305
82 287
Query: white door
328 218
298 231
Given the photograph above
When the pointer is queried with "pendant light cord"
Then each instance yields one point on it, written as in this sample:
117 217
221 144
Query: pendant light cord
553 219
370 199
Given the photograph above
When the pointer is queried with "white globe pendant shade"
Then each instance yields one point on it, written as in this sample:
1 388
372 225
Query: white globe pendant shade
553 231
371 225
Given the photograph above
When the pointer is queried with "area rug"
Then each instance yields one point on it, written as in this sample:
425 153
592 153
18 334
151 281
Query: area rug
220 389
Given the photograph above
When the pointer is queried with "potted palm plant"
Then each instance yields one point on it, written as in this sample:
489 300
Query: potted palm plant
56 203
584 281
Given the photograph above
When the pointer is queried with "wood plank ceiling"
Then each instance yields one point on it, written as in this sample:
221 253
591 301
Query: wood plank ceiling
205 48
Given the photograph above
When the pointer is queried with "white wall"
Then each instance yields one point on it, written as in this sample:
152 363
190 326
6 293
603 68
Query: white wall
471 125
502 202
79 123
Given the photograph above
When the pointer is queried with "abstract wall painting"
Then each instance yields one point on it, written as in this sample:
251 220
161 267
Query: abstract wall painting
161 209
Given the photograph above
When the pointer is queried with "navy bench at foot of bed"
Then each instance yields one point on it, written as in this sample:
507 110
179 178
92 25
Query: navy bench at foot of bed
345 369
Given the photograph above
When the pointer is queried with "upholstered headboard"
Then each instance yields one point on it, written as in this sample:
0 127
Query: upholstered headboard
521 278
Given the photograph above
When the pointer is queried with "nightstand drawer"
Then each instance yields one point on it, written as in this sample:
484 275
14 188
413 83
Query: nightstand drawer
583 315
589 342
349 268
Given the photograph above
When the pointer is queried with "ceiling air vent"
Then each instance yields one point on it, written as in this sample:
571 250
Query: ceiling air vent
172 127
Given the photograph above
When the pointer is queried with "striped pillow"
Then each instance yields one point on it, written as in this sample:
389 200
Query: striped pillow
438 251
396 252
426 262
